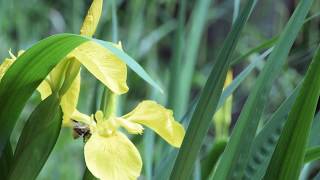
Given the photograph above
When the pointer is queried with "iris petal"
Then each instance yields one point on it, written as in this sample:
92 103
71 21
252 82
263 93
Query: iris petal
159 119
92 19
112 157
104 65
69 100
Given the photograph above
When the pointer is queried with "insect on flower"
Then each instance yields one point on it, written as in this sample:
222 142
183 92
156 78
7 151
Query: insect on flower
80 130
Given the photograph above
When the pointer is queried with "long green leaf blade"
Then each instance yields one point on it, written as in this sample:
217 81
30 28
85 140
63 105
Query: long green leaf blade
208 101
235 156
266 141
166 166
288 157
37 139
186 65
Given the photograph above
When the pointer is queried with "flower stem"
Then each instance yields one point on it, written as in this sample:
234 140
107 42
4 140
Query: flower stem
108 103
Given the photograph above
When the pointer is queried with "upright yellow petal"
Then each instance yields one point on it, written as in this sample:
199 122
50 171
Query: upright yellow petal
69 100
222 117
92 19
159 119
44 89
5 66
113 157
104 65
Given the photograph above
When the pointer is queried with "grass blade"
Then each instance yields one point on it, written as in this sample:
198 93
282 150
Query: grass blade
235 156
37 139
185 66
175 70
266 141
288 157
167 165
265 45
239 79
212 158
312 154
208 102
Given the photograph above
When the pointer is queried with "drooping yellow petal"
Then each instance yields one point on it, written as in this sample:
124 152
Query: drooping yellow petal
44 89
112 157
57 75
5 66
159 119
104 65
92 19
69 100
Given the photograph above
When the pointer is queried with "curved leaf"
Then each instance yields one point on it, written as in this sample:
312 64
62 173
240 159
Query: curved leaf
37 139
235 156
26 74
288 156
208 102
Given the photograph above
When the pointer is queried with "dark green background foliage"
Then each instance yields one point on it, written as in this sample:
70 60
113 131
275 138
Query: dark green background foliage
177 42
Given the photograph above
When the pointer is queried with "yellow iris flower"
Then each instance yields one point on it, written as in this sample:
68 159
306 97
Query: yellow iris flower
109 154
7 62
99 61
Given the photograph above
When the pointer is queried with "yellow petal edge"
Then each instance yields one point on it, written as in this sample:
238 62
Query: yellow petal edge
104 65
159 119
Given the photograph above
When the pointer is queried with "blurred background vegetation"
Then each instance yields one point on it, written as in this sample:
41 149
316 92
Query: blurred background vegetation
150 31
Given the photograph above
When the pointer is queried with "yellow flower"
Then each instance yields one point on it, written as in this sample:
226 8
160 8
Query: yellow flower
104 65
8 62
222 117
99 61
91 21
109 154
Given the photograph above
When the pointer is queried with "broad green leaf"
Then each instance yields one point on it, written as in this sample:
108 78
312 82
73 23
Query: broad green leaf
208 102
37 139
130 62
25 75
288 156
265 142
235 156
312 154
